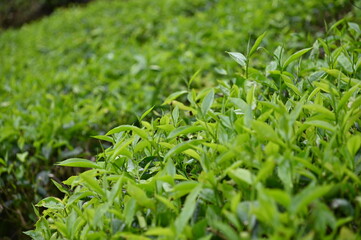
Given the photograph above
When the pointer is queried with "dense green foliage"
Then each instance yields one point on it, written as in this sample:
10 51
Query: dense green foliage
272 152
84 71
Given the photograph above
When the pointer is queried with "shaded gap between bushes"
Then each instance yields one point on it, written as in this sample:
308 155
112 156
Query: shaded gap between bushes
15 14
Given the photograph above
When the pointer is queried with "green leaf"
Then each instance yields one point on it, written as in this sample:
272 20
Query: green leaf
60 187
183 188
181 148
256 44
51 203
145 114
340 75
284 172
308 195
34 234
78 195
22 156
319 109
295 56
123 128
239 58
173 96
266 170
104 138
140 196
129 211
354 144
242 175
334 72
227 230
187 210
345 62
346 96
92 183
128 236
159 231
78 162
166 202
265 131
193 77
354 26
120 148
184 130
207 102
321 124
327 87
279 196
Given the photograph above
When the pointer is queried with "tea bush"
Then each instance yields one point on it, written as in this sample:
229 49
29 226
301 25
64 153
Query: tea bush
270 152
83 71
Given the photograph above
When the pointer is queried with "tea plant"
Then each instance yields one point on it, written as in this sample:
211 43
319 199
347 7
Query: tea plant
85 70
270 153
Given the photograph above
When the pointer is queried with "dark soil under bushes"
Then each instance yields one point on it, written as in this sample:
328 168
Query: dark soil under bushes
14 14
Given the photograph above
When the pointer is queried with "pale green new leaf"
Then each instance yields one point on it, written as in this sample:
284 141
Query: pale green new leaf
295 56
239 58
256 44
51 203
78 162
184 130
123 128
207 102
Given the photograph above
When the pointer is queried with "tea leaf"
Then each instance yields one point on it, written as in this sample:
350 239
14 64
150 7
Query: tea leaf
238 57
78 162
207 102
295 56
184 130
256 44
123 128
51 203
187 210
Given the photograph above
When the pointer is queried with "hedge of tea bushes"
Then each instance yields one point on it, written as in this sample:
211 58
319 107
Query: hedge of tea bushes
83 71
269 152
